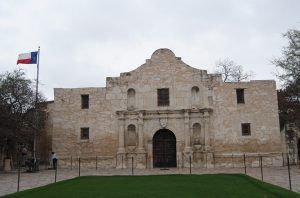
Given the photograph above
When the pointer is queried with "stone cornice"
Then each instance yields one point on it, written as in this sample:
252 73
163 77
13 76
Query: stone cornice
174 113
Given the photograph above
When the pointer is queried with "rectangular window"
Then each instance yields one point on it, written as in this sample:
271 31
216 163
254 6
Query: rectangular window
84 101
163 97
246 129
240 98
85 133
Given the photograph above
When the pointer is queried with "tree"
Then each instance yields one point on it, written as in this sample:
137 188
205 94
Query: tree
289 63
231 72
289 95
20 118
289 68
289 104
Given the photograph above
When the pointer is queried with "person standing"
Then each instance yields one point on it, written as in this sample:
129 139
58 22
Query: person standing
54 160
24 155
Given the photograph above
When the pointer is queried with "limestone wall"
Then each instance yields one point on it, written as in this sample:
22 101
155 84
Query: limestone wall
260 109
68 118
164 70
129 103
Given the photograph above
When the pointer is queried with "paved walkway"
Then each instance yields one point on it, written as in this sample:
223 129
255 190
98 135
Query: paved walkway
274 175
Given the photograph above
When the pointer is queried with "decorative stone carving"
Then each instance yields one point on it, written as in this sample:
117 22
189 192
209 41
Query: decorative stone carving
163 122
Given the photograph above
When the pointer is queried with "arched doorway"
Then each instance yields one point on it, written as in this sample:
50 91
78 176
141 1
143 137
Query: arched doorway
164 149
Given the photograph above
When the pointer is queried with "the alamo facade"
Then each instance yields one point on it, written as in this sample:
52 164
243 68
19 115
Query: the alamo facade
164 113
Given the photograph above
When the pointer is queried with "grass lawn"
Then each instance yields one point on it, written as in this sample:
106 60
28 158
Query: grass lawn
161 186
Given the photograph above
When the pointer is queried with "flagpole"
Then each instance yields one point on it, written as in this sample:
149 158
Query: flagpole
36 103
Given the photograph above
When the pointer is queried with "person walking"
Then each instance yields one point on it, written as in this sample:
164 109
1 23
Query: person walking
54 160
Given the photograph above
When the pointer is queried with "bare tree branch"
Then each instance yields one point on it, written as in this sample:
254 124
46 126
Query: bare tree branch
289 63
231 72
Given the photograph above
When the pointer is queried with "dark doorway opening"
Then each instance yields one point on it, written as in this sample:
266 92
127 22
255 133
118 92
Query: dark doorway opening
164 149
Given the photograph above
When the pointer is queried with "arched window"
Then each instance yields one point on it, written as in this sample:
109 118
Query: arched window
197 136
195 96
130 99
131 135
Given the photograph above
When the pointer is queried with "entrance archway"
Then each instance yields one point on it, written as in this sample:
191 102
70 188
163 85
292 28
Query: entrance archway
164 149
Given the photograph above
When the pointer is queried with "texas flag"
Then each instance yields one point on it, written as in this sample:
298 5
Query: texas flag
28 58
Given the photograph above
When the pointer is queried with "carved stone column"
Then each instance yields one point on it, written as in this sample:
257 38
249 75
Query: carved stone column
121 150
141 154
187 133
141 133
187 153
206 130
208 151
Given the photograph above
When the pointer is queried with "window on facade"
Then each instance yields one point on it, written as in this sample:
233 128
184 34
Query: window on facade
163 97
85 133
84 101
240 98
246 129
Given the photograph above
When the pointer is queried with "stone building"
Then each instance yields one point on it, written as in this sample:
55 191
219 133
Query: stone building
165 113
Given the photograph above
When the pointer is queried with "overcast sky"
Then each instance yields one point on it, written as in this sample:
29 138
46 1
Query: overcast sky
83 42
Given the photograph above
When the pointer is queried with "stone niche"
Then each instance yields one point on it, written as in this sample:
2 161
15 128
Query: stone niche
131 138
197 138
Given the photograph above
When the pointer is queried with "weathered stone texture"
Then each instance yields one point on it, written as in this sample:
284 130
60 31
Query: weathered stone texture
260 109
203 114
68 118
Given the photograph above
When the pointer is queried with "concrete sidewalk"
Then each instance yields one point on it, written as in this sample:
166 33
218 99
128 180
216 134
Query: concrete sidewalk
8 181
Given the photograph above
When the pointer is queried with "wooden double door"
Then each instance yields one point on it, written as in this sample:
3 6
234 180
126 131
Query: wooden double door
164 149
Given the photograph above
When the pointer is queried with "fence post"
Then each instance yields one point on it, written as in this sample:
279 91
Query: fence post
289 171
71 162
19 171
79 166
122 162
131 165
56 172
261 168
282 159
190 165
214 160
96 162
245 164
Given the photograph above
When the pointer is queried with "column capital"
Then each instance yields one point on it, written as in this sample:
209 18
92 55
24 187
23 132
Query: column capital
121 150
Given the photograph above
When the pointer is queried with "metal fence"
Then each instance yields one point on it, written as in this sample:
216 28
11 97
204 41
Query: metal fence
70 167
